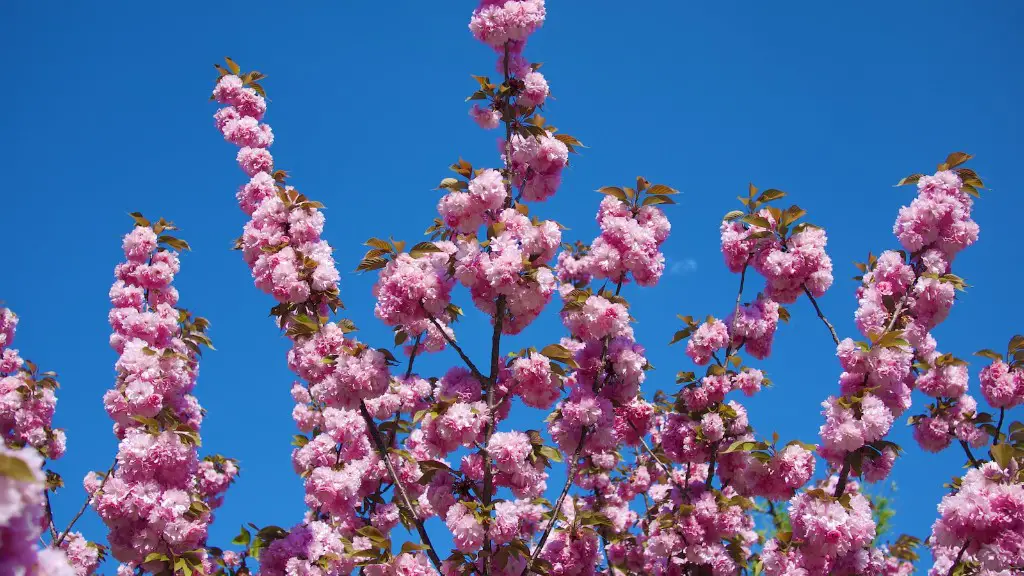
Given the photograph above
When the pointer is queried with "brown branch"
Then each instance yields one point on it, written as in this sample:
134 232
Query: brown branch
999 427
412 355
405 502
711 466
451 342
49 517
735 314
59 540
573 468
959 557
970 455
499 316
831 329
844 476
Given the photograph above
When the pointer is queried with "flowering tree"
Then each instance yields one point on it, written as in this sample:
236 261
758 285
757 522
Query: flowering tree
659 482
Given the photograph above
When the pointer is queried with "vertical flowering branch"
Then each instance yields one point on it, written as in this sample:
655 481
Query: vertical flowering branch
344 459
903 297
27 403
157 501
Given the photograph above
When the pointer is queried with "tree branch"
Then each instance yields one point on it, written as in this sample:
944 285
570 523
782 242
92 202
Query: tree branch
573 468
959 557
451 342
970 455
59 540
831 329
735 314
399 488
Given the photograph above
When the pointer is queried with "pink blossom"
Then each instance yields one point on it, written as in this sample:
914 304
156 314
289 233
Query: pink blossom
487 118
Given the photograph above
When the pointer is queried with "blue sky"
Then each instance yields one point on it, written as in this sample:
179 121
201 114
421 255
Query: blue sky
107 113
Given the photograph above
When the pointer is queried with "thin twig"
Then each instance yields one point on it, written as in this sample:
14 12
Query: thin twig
499 316
573 468
399 488
735 314
970 455
49 516
451 342
959 557
88 499
999 427
831 329
412 355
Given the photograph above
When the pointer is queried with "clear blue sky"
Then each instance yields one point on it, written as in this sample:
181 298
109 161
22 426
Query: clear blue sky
106 112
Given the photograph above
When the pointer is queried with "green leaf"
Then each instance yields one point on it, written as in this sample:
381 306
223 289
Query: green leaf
614 191
550 453
243 538
423 248
1002 454
661 189
740 446
771 194
657 199
912 179
955 159
755 220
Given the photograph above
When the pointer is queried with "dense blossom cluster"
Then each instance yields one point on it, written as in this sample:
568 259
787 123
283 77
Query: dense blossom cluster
985 518
379 449
27 403
788 264
629 244
901 299
291 261
158 499
27 400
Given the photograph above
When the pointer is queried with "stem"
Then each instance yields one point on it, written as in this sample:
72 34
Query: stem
451 342
405 502
844 476
831 329
88 499
412 356
970 455
959 557
499 316
999 427
735 314
573 468
844 472
711 466
49 516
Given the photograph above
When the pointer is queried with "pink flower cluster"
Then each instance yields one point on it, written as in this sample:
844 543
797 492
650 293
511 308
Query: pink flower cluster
281 242
534 381
410 291
629 244
834 538
709 338
788 267
466 211
536 164
754 326
499 22
939 218
987 513
27 399
513 265
22 518
702 536
155 500
313 548
1002 386
775 478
